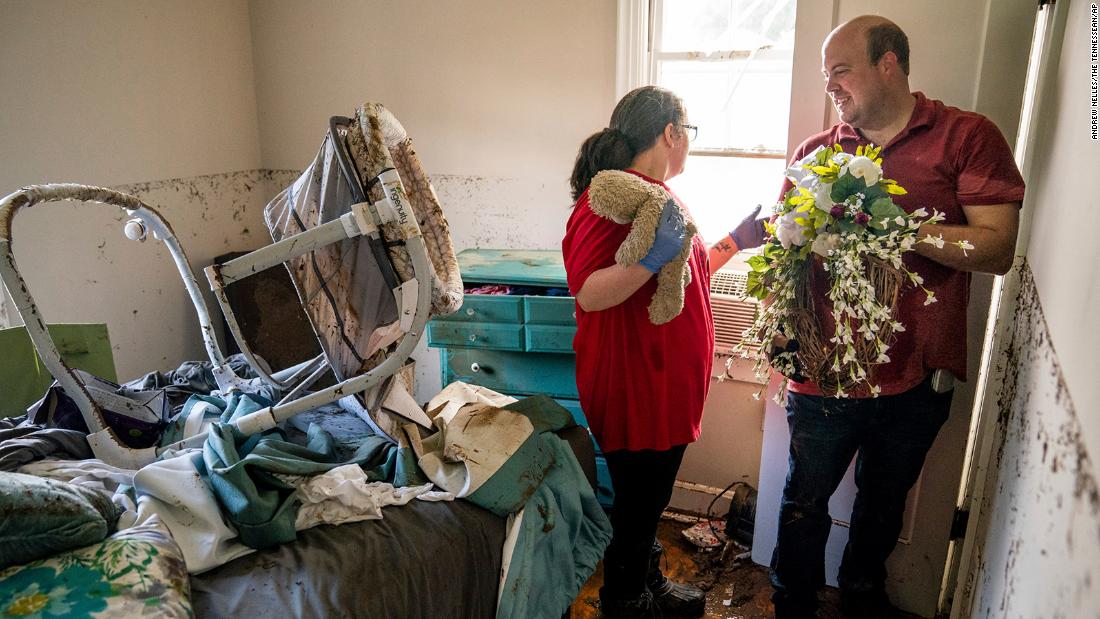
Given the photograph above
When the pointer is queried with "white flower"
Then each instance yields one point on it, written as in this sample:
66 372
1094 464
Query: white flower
798 173
788 231
964 245
933 240
842 157
824 243
822 196
862 167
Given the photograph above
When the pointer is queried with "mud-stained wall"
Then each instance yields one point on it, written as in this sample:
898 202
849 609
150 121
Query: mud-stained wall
1038 555
119 93
81 268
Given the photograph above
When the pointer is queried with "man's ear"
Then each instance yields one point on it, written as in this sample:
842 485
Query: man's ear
889 63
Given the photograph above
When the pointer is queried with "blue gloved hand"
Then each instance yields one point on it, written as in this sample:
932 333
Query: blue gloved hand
669 239
750 232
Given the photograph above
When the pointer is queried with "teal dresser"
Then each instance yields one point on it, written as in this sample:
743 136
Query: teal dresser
516 344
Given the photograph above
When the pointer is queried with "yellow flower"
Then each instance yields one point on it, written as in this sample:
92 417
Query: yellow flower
27 605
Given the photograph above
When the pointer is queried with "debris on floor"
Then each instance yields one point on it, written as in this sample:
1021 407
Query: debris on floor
737 588
706 534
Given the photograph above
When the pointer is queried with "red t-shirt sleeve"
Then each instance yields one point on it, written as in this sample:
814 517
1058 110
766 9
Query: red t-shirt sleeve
987 170
589 245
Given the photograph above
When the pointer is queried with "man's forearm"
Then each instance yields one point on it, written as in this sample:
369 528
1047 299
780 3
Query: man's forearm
991 251
611 286
986 244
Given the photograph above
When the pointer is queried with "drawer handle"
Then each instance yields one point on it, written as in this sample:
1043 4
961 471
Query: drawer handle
574 314
470 311
477 367
473 337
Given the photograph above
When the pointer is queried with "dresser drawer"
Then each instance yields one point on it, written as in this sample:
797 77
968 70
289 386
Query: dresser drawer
501 336
487 308
550 310
550 338
513 372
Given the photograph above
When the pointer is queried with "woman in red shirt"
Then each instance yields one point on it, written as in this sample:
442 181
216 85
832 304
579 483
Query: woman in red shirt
642 386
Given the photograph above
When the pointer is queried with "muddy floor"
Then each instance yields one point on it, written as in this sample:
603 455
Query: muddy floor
736 588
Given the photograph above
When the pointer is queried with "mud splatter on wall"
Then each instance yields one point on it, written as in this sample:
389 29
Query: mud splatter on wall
134 287
1038 553
81 268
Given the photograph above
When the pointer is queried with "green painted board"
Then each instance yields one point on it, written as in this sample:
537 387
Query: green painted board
23 378
521 267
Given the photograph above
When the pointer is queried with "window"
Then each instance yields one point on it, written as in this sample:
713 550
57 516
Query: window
730 60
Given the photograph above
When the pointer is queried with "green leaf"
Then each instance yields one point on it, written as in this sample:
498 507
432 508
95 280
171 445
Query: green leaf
846 226
773 251
757 263
874 192
847 186
755 285
884 208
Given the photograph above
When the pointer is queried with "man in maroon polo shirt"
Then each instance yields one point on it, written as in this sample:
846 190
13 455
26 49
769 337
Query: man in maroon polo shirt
950 160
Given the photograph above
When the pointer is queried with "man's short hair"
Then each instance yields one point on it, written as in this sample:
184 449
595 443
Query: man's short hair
888 38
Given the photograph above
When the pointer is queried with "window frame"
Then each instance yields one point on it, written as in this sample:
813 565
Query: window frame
638 63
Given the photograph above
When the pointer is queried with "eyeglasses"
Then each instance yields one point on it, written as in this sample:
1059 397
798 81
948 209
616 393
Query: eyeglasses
692 132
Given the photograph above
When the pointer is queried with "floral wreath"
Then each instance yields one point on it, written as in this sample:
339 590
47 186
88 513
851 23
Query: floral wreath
840 214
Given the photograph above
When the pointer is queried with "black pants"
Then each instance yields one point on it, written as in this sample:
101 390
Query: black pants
891 435
643 482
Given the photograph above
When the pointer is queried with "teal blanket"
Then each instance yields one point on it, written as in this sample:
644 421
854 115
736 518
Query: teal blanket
240 469
564 530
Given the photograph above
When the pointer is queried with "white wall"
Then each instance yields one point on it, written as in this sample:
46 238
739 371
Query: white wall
1036 555
1062 252
497 96
124 93
116 91
1039 521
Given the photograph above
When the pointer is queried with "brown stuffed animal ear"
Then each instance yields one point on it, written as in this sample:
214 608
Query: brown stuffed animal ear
617 195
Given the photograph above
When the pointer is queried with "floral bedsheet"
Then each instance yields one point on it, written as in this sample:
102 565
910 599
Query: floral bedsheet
137 572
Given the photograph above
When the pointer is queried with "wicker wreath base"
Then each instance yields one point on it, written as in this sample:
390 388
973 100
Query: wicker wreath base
816 353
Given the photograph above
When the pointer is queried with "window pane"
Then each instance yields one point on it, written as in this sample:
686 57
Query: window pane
735 103
720 191
709 25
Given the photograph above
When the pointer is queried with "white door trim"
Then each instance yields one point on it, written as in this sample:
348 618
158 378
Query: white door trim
957 593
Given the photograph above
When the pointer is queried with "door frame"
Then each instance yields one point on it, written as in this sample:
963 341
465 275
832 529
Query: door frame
956 594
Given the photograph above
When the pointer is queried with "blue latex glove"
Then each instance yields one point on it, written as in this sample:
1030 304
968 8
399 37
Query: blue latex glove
669 239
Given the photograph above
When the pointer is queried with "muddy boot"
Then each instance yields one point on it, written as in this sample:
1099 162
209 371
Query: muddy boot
673 599
636 608
872 604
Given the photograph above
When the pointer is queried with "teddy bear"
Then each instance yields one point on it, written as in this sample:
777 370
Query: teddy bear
624 198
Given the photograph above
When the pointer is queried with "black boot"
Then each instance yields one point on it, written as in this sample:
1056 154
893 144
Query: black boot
788 606
873 604
636 608
673 599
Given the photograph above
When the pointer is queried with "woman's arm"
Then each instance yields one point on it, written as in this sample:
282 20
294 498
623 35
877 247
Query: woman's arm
611 286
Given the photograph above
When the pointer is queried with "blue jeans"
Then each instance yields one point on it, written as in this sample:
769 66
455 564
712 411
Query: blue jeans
891 435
